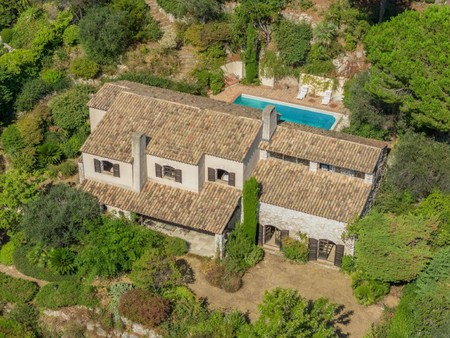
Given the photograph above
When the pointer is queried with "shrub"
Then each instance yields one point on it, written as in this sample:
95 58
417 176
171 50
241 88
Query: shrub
84 68
31 129
15 290
62 261
296 250
174 7
217 82
31 93
175 246
13 329
71 147
144 308
368 291
214 272
348 264
27 315
70 35
24 265
7 35
319 67
116 291
231 282
12 140
6 253
52 76
66 293
66 169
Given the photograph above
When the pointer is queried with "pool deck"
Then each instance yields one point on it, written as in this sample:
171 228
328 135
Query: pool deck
284 95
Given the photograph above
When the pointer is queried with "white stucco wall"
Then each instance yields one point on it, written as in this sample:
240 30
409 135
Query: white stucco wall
190 173
230 166
95 116
126 172
295 221
237 68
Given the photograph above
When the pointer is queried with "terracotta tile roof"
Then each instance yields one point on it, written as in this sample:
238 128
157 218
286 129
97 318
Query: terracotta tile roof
325 146
106 96
176 131
322 193
210 210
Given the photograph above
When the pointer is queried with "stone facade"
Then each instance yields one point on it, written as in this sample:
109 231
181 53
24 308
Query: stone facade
313 226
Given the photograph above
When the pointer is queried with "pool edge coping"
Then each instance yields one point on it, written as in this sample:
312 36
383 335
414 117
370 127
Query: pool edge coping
337 116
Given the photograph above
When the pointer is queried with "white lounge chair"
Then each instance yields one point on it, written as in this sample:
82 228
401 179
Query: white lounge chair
327 98
302 92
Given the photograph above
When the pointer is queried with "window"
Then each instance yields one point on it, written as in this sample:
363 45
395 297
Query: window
275 155
303 161
290 159
324 166
106 167
359 174
169 172
221 176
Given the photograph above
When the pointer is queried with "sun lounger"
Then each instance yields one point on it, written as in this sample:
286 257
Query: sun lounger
302 92
327 98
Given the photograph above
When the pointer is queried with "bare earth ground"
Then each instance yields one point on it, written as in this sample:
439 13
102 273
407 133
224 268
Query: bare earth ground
313 281
13 272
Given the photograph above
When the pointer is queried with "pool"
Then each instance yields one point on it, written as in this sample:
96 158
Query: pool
291 112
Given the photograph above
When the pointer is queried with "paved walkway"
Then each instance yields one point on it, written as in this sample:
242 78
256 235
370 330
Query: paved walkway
11 270
313 281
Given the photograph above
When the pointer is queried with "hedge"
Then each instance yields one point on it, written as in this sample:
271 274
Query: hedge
67 293
24 265
15 290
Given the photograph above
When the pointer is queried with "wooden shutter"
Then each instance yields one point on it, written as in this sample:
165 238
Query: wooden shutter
178 177
338 255
158 170
116 170
260 234
211 174
232 179
312 249
283 234
97 166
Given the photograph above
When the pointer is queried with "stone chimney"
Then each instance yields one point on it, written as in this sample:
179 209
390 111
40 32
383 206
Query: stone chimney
270 120
138 145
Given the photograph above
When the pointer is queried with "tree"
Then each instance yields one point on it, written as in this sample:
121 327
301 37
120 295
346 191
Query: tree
203 10
69 110
105 34
57 219
9 12
387 242
250 204
17 189
411 67
293 42
251 55
112 247
284 313
367 119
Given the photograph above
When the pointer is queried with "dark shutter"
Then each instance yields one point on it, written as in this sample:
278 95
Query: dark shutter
178 177
211 174
158 170
116 170
312 249
339 253
232 179
260 234
97 166
283 235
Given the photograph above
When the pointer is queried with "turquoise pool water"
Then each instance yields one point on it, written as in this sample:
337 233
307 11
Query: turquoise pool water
295 114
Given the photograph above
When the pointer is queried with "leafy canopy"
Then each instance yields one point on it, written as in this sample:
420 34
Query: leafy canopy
387 242
57 219
411 66
284 313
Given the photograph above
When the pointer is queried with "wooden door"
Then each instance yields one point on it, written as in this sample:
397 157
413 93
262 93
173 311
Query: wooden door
312 249
267 233
339 254
260 234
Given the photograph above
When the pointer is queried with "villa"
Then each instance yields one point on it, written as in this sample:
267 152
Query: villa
178 162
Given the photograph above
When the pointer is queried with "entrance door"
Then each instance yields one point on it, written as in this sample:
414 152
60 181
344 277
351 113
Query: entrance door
325 249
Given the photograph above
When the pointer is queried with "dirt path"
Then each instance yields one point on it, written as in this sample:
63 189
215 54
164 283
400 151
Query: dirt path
13 272
312 280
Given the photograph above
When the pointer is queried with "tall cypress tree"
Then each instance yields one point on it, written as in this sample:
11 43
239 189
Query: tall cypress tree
251 63
250 203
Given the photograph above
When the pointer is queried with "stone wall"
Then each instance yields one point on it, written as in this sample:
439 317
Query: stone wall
295 221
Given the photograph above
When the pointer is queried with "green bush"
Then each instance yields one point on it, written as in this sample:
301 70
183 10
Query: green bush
66 169
31 93
12 140
62 261
174 7
7 35
52 76
71 147
217 82
295 250
66 293
27 315
175 246
13 329
6 253
319 67
368 291
24 265
84 68
70 35
15 290
348 264
116 291
142 307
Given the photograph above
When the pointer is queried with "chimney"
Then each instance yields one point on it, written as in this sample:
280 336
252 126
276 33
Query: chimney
138 145
270 120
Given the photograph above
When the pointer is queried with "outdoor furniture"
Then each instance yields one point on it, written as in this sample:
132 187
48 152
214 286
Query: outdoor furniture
302 92
327 98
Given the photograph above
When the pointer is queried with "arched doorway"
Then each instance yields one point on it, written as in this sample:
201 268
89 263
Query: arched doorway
271 237
327 250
